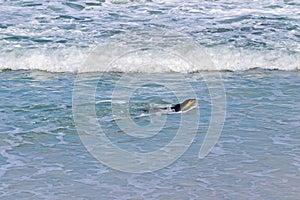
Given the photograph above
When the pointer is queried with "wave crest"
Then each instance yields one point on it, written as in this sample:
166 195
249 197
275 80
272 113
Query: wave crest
148 61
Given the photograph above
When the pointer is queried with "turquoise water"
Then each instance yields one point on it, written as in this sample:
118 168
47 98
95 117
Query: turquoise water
77 79
256 157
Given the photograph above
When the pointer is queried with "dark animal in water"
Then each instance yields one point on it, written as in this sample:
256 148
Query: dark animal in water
187 104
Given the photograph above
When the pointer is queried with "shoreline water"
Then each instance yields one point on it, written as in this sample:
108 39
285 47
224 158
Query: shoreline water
240 60
42 155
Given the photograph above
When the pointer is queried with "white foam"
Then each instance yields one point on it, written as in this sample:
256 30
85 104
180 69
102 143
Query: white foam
75 60
236 59
55 60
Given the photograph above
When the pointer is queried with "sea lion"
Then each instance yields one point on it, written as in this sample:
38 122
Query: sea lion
184 106
187 104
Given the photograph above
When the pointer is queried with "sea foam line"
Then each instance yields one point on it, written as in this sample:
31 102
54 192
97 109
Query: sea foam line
74 60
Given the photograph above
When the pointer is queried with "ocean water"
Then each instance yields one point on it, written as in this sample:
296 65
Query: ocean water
77 78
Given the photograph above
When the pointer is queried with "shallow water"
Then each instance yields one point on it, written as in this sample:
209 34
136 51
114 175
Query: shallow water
256 157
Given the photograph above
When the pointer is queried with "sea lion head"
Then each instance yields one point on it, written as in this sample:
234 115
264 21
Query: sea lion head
187 104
